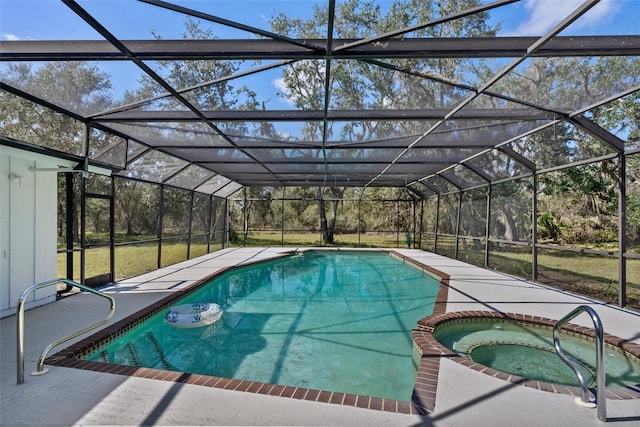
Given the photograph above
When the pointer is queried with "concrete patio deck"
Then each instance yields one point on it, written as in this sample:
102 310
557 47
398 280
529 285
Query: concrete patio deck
465 397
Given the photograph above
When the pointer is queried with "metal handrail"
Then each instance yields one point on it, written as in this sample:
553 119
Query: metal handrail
40 370
601 399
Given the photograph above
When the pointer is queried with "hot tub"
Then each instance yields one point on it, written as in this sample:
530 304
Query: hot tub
519 348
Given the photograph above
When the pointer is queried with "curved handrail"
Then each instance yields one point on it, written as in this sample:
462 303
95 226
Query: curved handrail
601 399
20 324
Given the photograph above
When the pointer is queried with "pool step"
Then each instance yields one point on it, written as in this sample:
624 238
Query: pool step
133 354
470 342
145 351
104 357
158 349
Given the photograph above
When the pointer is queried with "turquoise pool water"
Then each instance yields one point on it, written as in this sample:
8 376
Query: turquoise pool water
527 350
328 320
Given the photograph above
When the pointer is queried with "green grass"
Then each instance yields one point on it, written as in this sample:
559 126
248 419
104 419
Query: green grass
591 275
130 260
275 238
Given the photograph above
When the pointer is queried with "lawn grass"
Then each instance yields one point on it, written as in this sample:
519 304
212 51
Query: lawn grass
591 275
131 260
586 274
276 238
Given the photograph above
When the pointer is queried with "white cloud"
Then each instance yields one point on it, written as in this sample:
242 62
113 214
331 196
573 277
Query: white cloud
310 71
10 37
542 15
283 89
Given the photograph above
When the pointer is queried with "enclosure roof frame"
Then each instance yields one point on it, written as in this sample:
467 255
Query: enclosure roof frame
437 140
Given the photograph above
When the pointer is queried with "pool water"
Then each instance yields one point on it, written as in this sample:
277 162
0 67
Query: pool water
531 362
328 320
527 350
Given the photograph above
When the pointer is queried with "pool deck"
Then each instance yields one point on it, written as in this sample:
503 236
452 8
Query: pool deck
465 397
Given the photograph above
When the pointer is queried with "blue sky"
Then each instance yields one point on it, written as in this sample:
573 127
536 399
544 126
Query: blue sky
50 19
535 17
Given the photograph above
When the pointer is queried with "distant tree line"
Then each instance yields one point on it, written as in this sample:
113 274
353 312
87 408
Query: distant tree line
576 205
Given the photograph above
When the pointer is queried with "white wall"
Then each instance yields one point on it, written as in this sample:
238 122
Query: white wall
28 215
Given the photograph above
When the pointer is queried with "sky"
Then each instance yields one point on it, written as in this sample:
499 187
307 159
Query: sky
47 19
539 16
51 19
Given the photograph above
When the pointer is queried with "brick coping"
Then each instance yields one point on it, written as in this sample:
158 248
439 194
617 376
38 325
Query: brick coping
432 348
422 400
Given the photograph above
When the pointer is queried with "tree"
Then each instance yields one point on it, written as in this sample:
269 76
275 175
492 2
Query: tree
365 85
136 207
80 87
215 94
567 85
328 226
633 200
473 215
257 205
176 211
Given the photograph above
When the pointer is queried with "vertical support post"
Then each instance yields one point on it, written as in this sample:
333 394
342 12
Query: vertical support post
420 225
226 233
70 207
160 224
413 223
622 230
534 228
83 207
209 223
112 230
245 217
282 215
435 231
322 218
458 214
487 231
190 228
398 221
359 217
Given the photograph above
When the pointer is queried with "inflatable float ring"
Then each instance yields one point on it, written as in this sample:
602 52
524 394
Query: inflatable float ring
193 315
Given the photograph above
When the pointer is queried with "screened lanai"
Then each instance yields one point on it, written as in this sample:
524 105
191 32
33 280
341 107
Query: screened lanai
495 132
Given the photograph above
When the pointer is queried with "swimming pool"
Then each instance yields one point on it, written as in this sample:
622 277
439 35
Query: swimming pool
325 320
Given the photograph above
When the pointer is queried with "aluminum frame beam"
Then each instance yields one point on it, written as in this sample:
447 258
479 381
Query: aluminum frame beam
320 115
254 49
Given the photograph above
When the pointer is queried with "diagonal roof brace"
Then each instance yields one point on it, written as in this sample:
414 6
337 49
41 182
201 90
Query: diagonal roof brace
476 171
598 132
450 181
89 19
517 157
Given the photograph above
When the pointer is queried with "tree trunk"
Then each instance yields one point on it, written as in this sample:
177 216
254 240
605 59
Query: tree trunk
510 233
332 223
468 212
325 227
245 225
